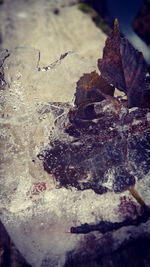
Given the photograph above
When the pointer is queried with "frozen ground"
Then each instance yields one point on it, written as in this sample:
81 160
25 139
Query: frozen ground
37 214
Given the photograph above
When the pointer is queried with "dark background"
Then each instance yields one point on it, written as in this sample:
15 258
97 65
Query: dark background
134 20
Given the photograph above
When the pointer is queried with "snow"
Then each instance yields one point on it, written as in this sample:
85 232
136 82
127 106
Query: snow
39 223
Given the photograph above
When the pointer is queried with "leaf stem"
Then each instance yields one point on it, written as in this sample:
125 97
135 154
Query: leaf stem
136 195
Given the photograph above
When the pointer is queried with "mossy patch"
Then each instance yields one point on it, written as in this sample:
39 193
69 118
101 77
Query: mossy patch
97 19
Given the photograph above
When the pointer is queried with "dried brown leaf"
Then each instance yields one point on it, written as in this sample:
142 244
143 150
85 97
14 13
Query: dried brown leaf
124 67
91 87
111 64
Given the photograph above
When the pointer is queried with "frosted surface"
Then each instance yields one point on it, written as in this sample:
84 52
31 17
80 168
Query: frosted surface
37 214
33 23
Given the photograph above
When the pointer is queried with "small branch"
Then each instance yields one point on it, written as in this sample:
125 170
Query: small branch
105 226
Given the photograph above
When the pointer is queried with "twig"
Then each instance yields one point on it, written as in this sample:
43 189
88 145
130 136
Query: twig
105 226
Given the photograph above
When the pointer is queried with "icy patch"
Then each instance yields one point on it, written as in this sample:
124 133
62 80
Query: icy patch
110 179
42 230
132 109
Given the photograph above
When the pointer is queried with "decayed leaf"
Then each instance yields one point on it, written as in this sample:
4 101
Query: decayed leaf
109 145
108 142
114 145
124 67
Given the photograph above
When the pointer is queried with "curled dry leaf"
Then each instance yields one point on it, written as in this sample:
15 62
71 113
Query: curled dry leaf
90 88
